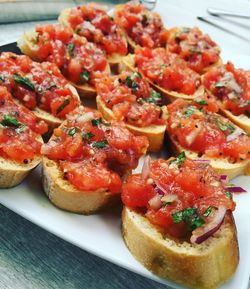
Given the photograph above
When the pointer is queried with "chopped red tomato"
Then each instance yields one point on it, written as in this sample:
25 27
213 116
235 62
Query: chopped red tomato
37 85
195 127
19 130
105 149
142 26
196 48
92 22
178 195
131 99
166 70
231 87
79 60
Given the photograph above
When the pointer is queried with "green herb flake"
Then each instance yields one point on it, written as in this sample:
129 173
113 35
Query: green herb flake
63 105
20 129
208 211
138 74
201 101
1 77
219 85
220 125
195 223
72 131
189 111
25 81
128 81
10 121
179 160
77 30
228 195
155 97
231 127
84 77
100 144
70 48
87 136
193 50
96 122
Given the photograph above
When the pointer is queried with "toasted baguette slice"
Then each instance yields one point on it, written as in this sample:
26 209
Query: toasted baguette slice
28 46
113 59
129 63
221 165
203 266
154 133
12 173
65 196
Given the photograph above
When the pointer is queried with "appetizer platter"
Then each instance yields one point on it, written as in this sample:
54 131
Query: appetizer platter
139 132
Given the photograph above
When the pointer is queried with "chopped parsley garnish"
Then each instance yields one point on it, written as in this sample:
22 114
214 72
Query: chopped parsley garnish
63 105
190 217
97 121
244 104
21 128
84 77
208 211
219 85
72 131
144 20
100 144
189 111
164 65
201 101
230 127
1 77
220 125
70 48
138 74
131 84
25 81
77 30
179 160
87 136
155 97
228 195
193 50
10 121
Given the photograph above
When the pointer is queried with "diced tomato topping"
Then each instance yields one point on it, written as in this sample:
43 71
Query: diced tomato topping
196 48
93 23
142 26
166 70
231 87
174 186
37 85
131 99
194 126
79 60
93 152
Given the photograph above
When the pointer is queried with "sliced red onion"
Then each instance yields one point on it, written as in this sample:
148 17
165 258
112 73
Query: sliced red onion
159 189
155 203
202 161
236 190
235 134
146 168
201 234
223 177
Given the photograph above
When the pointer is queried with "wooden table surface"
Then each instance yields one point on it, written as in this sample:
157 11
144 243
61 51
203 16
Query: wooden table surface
31 258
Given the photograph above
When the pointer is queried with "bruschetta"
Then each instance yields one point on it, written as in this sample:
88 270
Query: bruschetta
85 159
142 27
167 73
128 97
231 89
80 61
178 222
39 87
92 22
199 51
20 140
196 128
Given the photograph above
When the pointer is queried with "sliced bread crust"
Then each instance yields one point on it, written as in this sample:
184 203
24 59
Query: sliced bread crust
154 133
221 165
129 63
203 266
65 196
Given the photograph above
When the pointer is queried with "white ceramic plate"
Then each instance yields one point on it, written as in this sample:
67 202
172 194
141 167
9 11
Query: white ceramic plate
100 234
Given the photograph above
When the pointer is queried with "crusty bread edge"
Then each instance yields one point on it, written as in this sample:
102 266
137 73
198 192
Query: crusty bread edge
203 266
65 196
221 165
154 133
129 62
